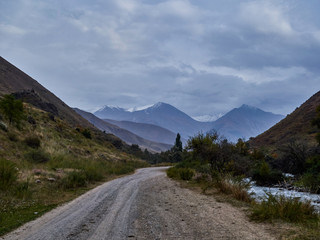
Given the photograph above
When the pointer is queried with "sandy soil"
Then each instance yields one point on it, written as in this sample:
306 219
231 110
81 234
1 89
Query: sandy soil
146 205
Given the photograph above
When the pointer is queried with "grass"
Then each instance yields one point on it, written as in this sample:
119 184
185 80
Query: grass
54 150
285 208
290 219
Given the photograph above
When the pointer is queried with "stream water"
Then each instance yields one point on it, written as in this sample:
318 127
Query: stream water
260 192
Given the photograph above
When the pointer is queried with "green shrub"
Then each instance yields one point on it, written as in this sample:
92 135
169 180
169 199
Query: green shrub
180 173
74 179
234 186
86 133
32 141
22 190
186 173
263 174
311 181
93 173
8 174
287 209
37 156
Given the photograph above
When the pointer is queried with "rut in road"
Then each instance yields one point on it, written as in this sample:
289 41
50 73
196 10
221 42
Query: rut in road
145 205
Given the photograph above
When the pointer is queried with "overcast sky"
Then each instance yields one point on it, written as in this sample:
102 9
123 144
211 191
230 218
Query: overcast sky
202 56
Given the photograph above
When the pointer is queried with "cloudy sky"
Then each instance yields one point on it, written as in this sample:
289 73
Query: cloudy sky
202 56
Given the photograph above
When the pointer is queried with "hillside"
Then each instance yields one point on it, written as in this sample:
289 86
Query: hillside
296 125
146 131
125 135
13 80
53 155
245 122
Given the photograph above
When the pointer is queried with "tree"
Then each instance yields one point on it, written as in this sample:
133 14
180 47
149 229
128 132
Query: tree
178 143
12 109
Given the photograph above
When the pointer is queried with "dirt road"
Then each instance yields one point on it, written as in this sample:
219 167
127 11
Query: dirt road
146 205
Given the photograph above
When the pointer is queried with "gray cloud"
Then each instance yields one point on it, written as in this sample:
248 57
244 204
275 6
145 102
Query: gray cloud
204 57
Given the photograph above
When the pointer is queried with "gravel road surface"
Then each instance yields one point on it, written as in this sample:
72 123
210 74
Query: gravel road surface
145 205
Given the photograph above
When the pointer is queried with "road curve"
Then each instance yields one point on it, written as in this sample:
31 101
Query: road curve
145 205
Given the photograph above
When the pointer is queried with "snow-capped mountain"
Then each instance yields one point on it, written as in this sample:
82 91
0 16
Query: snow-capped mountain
160 114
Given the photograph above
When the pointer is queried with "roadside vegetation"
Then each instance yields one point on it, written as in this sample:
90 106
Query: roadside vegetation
211 162
44 161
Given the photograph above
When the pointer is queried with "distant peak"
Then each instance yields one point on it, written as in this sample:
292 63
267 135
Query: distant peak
110 107
246 106
158 104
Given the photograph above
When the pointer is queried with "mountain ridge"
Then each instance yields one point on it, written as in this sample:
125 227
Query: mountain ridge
296 125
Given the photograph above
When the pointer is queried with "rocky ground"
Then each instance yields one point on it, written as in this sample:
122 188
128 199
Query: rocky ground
146 205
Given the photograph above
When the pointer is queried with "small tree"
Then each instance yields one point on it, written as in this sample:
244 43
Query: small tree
178 144
12 109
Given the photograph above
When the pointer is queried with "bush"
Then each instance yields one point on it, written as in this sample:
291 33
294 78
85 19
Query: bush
32 141
280 207
236 187
37 156
8 174
93 173
22 190
74 179
180 173
263 174
86 133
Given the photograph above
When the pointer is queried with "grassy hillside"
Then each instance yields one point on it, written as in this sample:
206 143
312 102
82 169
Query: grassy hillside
47 161
296 125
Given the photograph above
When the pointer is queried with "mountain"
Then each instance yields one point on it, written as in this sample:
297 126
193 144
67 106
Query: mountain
160 114
146 131
123 134
245 122
296 125
14 81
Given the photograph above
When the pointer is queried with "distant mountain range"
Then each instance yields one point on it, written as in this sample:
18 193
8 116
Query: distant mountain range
125 135
161 114
243 122
147 131
296 126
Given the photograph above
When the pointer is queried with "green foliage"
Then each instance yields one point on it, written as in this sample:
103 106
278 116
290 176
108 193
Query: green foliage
180 173
87 133
12 109
8 174
37 156
208 149
234 186
287 209
22 190
32 141
178 143
74 179
263 174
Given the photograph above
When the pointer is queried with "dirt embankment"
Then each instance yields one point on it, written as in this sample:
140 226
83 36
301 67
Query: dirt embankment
146 205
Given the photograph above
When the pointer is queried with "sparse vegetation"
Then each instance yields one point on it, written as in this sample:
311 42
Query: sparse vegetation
46 162
12 109
284 208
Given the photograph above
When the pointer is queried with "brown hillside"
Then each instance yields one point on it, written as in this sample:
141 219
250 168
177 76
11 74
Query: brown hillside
13 80
296 125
